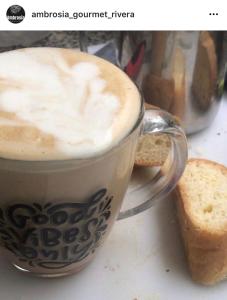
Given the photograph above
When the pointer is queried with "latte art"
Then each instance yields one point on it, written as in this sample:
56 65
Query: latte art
61 104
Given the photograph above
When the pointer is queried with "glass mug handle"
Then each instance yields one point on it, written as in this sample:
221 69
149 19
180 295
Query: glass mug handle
159 121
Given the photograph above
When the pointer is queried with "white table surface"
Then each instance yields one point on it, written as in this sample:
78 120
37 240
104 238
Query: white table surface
143 258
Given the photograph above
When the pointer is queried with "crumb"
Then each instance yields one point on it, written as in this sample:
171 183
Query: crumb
167 270
109 268
218 133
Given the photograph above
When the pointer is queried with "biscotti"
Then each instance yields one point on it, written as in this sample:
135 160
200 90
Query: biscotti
152 149
202 212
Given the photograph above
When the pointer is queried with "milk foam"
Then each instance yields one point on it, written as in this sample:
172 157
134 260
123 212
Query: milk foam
60 104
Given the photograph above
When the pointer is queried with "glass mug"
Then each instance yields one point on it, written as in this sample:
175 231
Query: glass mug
54 215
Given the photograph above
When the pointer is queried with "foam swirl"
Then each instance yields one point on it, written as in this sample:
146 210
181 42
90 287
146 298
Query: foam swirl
60 104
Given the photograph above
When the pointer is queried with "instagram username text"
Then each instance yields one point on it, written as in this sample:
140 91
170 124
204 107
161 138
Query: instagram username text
79 15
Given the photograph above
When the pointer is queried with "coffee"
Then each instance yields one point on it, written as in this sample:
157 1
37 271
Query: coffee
60 104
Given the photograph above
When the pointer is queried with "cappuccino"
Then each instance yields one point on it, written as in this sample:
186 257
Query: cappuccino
58 104
62 104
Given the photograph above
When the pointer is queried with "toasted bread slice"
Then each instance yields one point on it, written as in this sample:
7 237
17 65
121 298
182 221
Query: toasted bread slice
205 72
179 77
202 211
152 150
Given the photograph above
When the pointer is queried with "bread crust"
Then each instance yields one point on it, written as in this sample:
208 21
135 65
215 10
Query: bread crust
206 250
